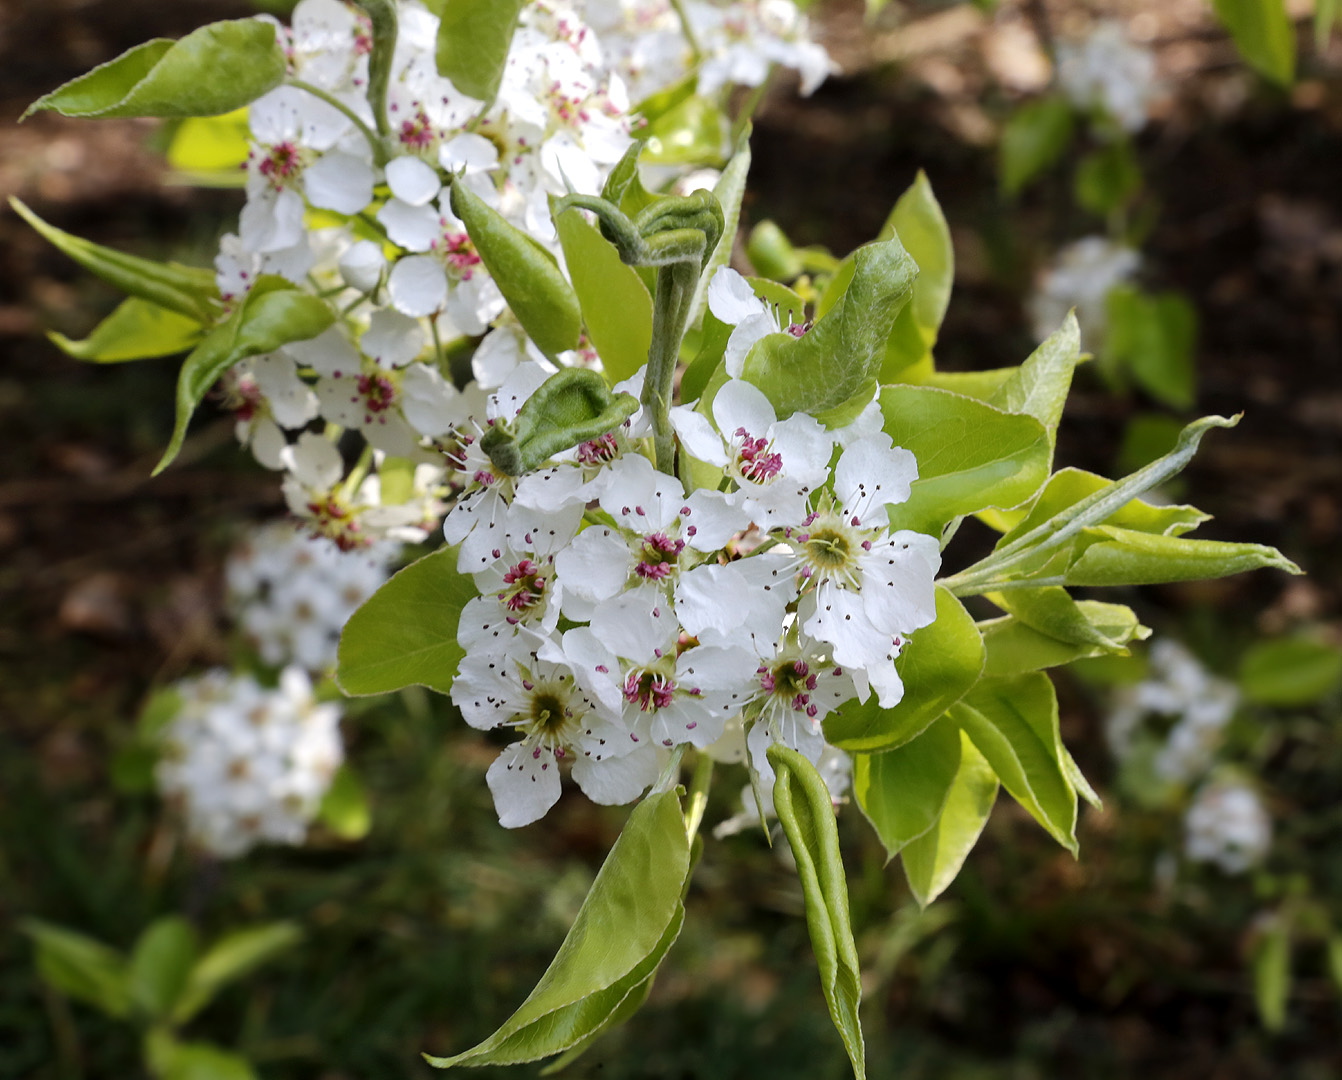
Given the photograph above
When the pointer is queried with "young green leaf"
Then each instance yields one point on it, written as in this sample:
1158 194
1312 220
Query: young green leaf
169 1059
473 40
160 965
527 275
918 223
903 791
1107 178
806 813
1039 386
1033 139
625 926
1126 557
187 290
1014 724
213 70
1264 35
839 358
344 808
208 147
933 859
136 330
230 958
1272 973
1052 611
1067 487
616 305
405 634
274 313
970 455
1014 648
939 664
80 967
1153 336
1290 671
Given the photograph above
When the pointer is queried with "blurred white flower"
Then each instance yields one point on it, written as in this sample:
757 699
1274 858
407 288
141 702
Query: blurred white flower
1108 72
1227 825
1081 276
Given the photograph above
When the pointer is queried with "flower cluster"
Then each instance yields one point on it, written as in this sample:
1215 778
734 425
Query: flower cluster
1109 74
1227 825
365 220
292 594
621 617
248 765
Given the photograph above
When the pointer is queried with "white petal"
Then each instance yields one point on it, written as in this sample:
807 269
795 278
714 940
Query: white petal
414 228
617 780
712 597
413 181
272 221
639 497
268 443
524 783
697 435
327 354
339 182
549 489
638 624
468 153
392 339
837 616
740 405
898 594
314 461
712 520
500 351
418 285
743 339
870 474
362 265
731 298
430 402
595 566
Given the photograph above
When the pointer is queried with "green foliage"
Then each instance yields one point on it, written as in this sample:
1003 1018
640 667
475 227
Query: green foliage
932 860
231 957
527 274
473 40
344 808
970 455
807 815
405 634
569 408
160 966
918 223
902 791
616 305
1290 671
688 133
241 60
136 330
939 664
272 314
628 922
1107 178
1153 337
1034 138
186 290
210 150
170 1059
80 967
729 191
1014 647
1264 35
839 359
1272 972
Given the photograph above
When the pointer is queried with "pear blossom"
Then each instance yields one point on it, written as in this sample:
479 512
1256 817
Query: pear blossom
1227 825
1108 72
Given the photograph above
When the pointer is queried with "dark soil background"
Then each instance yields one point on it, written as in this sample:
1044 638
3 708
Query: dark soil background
109 581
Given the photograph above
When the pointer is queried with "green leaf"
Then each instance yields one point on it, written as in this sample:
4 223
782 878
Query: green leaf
230 958
1052 611
273 313
933 859
1039 386
527 275
1014 724
187 290
729 191
169 1059
1013 647
903 791
160 964
1067 487
1154 337
80 967
1290 671
209 145
1326 14
839 358
1034 138
970 455
616 307
1126 557
806 812
981 385
344 808
938 665
918 223
771 253
1264 35
691 132
1107 178
473 40
136 330
405 634
625 926
1272 973
213 70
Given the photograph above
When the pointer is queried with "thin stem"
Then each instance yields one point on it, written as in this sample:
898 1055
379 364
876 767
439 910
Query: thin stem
671 774
357 474
698 801
379 151
751 104
675 287
970 587
696 53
